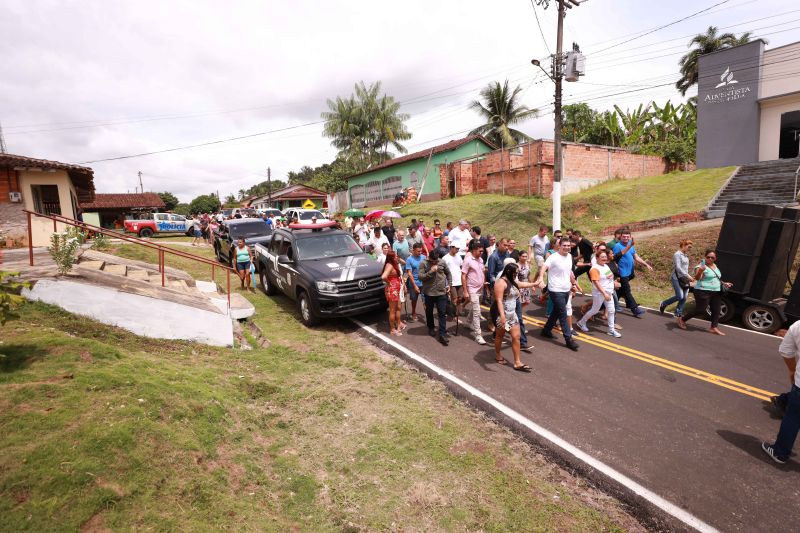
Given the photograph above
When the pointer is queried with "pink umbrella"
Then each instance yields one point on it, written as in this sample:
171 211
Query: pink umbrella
375 214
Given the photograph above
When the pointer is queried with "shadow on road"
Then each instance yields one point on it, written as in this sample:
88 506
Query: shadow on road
752 446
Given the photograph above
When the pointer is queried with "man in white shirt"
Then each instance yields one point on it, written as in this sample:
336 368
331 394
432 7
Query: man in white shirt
560 281
377 239
454 262
361 230
460 237
784 442
537 246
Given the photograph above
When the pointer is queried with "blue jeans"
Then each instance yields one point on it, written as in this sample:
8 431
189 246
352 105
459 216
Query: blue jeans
680 296
789 425
559 314
523 337
441 308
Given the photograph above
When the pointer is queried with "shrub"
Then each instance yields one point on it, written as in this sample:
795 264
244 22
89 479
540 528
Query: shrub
63 249
101 242
9 296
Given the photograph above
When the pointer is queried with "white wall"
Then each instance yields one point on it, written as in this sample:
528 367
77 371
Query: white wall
42 228
770 128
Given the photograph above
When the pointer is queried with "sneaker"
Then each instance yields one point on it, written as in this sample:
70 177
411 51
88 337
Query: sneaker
614 333
769 450
526 348
639 312
572 345
546 334
776 402
574 333
432 332
480 340
582 327
443 341
661 308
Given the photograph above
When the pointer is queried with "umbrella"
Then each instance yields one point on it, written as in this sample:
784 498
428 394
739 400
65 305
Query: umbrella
380 213
354 213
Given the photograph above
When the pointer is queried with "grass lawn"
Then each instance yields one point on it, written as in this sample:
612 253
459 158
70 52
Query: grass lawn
614 202
315 432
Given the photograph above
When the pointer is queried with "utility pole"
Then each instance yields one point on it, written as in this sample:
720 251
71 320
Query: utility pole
269 187
141 187
2 141
557 77
558 168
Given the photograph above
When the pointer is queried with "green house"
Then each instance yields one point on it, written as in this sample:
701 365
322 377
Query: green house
381 183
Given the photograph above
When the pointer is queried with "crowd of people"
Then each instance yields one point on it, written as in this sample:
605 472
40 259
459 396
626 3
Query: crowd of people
454 269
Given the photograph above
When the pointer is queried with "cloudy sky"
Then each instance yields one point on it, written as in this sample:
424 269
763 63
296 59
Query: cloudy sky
88 80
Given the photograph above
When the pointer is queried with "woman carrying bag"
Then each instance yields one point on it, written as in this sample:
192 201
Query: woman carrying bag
680 278
708 291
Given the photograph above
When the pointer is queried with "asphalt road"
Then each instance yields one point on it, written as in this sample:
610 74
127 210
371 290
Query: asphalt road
682 413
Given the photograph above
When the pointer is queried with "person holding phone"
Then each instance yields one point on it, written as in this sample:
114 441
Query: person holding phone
707 292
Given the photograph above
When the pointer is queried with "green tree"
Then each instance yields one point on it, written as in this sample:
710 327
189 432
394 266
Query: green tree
578 122
500 108
705 43
182 209
169 199
206 203
365 125
230 201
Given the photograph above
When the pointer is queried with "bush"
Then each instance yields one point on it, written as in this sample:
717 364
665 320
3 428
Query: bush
101 242
63 249
9 296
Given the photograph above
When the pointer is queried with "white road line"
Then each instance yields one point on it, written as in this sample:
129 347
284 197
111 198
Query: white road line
663 504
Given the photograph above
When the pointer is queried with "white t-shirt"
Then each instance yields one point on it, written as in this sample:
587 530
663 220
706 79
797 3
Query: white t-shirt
790 347
604 275
454 263
559 273
377 242
460 238
361 231
539 244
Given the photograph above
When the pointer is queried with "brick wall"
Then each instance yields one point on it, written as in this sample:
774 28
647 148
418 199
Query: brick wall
528 169
13 223
9 182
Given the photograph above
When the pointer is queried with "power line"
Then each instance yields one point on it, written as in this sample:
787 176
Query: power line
536 14
663 26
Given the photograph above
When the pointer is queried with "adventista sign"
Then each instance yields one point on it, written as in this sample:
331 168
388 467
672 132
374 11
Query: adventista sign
727 106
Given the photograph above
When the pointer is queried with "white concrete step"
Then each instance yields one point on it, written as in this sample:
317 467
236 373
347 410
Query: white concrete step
94 265
119 270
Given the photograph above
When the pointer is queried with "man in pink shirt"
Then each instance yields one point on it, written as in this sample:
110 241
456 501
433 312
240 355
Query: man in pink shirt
473 280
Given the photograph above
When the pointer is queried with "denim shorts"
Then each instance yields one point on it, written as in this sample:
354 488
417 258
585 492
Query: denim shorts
243 266
198 233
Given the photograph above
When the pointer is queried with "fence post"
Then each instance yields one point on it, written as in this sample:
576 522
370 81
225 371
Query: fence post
161 260
30 240
228 271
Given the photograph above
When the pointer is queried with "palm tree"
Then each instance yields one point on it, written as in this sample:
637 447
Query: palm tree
705 43
500 109
364 126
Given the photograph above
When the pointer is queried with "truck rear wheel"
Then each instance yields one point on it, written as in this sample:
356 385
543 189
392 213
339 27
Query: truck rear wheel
307 315
762 319
726 311
266 286
145 233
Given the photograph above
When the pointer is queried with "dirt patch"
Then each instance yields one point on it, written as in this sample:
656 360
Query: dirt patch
464 447
86 357
95 524
110 485
235 472
20 495
425 495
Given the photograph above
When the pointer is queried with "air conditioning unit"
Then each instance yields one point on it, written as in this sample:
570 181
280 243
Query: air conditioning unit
15 197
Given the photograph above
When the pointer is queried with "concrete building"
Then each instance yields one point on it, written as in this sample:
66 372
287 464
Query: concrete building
379 184
43 186
748 105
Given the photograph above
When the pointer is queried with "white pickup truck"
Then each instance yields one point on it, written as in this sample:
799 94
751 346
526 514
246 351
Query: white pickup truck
159 223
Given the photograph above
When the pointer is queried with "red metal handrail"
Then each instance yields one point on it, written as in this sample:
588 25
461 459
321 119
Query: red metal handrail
162 250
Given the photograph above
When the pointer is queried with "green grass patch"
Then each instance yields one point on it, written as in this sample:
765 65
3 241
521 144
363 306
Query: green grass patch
317 432
614 202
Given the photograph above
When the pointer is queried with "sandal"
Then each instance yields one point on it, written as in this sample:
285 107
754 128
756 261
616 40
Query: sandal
523 368
500 361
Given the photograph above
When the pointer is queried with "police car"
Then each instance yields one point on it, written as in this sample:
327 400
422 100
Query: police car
323 269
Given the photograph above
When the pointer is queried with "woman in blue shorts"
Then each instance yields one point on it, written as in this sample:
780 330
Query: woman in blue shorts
243 261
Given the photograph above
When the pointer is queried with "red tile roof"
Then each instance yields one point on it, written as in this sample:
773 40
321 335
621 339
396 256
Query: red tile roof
82 177
124 201
446 147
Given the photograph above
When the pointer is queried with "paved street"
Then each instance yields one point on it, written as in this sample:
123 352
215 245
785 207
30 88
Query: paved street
681 413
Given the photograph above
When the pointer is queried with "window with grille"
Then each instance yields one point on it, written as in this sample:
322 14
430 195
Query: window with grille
357 195
373 191
391 187
45 199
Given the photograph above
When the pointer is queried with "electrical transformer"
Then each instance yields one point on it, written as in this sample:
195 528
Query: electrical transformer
575 66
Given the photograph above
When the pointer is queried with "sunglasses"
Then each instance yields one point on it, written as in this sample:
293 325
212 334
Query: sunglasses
711 257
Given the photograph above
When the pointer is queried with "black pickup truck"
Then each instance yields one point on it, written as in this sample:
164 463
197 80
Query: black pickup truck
253 230
323 269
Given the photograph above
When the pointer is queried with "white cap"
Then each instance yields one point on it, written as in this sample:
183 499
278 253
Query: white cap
508 261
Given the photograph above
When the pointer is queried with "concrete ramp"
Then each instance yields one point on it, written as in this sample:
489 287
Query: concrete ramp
142 315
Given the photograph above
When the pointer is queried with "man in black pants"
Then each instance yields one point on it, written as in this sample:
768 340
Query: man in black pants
436 282
585 251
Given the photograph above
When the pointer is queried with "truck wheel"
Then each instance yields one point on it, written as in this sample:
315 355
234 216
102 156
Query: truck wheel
266 286
726 311
307 316
762 319
145 233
